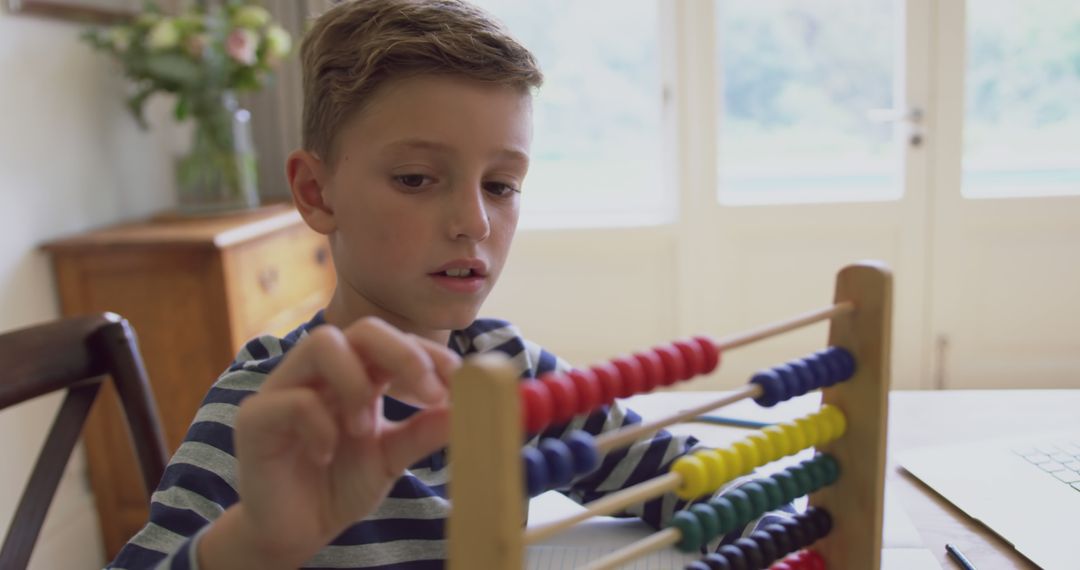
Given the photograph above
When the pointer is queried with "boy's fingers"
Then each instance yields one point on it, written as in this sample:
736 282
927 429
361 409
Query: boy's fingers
405 443
265 418
326 357
446 361
402 357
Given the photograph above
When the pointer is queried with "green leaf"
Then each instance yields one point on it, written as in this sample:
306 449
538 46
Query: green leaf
173 68
181 109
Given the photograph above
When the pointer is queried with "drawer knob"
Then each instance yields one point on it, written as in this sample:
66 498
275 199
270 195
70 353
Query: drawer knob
268 279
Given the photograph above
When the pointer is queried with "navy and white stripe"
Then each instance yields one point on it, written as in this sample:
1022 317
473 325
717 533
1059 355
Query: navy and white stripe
406 531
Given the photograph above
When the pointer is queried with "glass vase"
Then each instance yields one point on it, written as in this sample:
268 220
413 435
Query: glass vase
218 174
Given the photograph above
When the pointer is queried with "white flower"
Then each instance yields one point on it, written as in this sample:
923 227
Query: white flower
252 17
278 43
241 46
163 36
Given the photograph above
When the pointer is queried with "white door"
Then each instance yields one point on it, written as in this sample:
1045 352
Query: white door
816 161
1006 229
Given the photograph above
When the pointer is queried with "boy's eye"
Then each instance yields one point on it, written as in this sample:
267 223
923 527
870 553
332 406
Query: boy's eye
499 189
412 180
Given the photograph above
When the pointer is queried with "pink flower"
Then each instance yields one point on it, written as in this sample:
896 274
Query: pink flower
241 46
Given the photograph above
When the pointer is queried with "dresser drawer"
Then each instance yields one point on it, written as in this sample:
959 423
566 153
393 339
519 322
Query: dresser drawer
277 277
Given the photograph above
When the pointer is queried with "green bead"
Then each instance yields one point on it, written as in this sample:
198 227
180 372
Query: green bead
832 468
817 477
744 509
772 492
758 499
788 485
691 530
709 520
726 513
802 477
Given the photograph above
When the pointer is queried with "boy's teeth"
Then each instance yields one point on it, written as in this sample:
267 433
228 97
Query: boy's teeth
459 272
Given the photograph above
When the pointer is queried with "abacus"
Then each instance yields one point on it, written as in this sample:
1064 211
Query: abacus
493 476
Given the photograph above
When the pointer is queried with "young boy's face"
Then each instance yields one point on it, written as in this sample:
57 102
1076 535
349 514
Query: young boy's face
424 197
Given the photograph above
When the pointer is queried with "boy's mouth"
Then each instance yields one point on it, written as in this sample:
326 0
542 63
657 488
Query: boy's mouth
457 273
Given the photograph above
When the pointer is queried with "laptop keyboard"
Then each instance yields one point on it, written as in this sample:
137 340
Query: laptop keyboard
1060 459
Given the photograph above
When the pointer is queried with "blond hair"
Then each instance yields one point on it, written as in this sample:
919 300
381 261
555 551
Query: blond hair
357 46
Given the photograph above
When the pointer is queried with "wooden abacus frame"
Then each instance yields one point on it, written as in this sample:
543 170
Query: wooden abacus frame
487 491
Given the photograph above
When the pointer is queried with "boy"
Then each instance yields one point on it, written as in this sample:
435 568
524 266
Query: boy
417 126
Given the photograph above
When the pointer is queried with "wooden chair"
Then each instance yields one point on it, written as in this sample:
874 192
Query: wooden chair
74 354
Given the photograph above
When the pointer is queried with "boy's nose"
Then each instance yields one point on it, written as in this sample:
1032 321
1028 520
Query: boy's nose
469 218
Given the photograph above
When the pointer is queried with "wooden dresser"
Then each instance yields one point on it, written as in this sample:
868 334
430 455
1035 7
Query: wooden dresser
195 291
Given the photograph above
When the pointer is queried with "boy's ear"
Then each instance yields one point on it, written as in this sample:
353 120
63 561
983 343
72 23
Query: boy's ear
306 174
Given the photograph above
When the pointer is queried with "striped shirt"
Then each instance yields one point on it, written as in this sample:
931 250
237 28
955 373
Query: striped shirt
407 530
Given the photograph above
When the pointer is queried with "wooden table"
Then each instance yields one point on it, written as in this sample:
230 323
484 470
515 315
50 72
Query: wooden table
916 419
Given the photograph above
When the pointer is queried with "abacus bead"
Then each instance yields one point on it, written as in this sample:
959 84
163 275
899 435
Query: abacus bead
587 389
759 501
755 560
563 396
693 355
769 551
842 366
795 532
764 447
782 445
674 365
804 374
735 557
748 454
795 435
773 492
772 388
744 509
817 479
826 358
813 561
790 380
716 561
708 519
560 462
537 406
715 469
693 474
780 539
696 565
653 368
820 370
712 354
802 477
691 531
788 486
780 566
732 460
810 526
631 374
832 468
824 426
836 418
823 518
810 431
726 514
536 471
583 448
847 362
610 381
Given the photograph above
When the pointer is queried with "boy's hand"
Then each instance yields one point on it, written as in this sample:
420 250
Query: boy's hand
315 453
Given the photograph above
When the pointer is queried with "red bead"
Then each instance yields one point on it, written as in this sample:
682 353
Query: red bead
588 390
563 396
675 367
654 369
712 354
610 381
813 561
693 355
631 374
782 566
536 406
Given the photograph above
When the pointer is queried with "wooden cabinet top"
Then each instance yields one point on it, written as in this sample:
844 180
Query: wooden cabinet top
171 230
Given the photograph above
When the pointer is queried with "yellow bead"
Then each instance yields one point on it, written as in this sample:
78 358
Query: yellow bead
733 461
824 426
810 431
714 468
764 447
781 444
836 418
749 454
795 435
694 477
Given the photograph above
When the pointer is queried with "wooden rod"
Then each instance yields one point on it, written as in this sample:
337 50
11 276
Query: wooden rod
608 505
774 329
623 437
656 541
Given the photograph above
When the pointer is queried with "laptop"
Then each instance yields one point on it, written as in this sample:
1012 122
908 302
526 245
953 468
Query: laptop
1027 490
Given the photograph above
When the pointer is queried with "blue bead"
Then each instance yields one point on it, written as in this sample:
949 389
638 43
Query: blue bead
716 561
791 380
560 462
820 371
536 471
804 376
846 360
772 388
697 565
583 448
827 358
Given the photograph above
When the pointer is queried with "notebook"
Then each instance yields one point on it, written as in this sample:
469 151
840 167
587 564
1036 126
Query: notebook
1027 490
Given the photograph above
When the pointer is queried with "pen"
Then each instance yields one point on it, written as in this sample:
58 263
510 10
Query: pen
959 557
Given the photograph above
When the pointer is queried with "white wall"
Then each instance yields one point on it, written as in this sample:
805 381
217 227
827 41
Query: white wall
70 159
